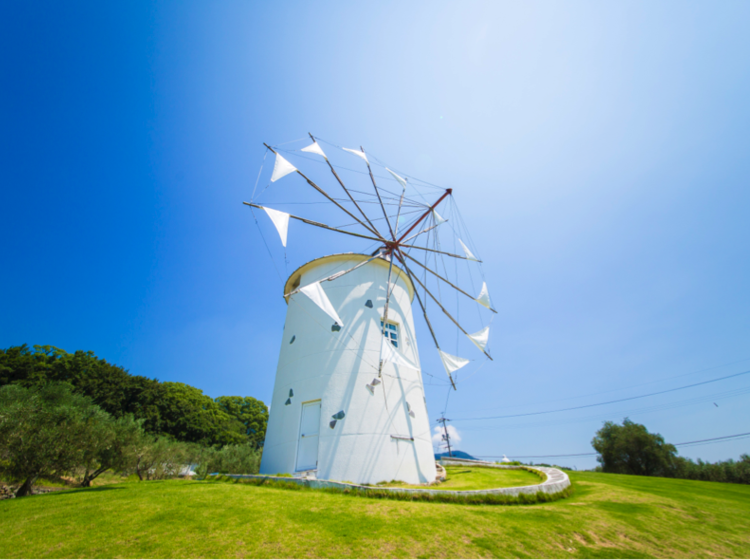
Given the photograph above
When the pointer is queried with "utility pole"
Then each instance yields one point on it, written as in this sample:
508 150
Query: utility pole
446 437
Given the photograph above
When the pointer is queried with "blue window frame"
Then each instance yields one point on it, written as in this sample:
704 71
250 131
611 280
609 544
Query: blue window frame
391 332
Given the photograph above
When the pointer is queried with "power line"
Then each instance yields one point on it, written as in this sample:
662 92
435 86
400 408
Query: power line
606 402
683 444
617 388
629 412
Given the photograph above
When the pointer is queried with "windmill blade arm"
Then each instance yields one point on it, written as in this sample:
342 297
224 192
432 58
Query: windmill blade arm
318 224
440 252
374 184
441 306
325 194
421 232
372 226
451 284
424 312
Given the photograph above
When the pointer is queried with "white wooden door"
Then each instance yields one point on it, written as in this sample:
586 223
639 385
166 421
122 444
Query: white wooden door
309 429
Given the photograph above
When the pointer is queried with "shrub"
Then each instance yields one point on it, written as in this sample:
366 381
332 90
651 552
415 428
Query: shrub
230 459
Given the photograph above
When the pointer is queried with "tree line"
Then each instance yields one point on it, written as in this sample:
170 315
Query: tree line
49 430
168 409
76 415
631 449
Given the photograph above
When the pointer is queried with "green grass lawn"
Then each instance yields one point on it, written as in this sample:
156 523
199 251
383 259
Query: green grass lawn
609 516
478 478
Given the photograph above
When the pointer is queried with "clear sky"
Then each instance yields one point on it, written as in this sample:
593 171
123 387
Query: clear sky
598 152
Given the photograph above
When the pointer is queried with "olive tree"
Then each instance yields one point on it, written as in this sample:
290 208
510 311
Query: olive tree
114 446
631 449
46 431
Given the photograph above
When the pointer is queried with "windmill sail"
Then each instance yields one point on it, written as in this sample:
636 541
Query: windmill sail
389 353
357 153
316 293
452 363
469 254
315 148
281 168
484 296
480 338
281 221
398 178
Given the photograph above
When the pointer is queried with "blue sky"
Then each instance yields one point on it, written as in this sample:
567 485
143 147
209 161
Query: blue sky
598 152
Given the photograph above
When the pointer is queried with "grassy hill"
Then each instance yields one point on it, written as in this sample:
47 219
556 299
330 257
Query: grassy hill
609 516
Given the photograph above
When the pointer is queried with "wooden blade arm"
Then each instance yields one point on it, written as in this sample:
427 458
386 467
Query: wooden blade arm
318 224
424 311
451 284
325 194
441 307
421 232
347 192
372 178
440 252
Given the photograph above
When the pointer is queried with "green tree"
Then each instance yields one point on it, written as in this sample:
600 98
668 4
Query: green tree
110 386
46 431
175 410
114 447
189 415
251 412
631 449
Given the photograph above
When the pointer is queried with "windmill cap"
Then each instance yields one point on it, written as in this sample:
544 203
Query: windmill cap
293 281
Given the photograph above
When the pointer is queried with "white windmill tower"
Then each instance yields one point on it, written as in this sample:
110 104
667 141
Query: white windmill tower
348 400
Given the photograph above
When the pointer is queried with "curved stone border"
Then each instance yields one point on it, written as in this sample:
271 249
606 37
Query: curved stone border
556 481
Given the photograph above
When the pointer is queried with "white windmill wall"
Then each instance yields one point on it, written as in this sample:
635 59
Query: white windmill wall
334 367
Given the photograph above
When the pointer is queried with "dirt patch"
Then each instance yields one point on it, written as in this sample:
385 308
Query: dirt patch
580 538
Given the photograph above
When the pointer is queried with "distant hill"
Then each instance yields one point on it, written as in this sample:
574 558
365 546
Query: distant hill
457 455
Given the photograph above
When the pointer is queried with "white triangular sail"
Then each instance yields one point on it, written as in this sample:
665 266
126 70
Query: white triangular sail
315 292
480 338
469 254
439 220
388 353
398 178
281 168
315 148
484 296
452 363
357 153
281 221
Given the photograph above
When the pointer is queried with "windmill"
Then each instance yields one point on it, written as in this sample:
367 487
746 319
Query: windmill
349 332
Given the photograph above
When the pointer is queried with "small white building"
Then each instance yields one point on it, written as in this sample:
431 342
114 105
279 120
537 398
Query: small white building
330 412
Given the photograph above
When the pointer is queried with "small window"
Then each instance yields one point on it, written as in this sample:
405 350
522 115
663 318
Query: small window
391 332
